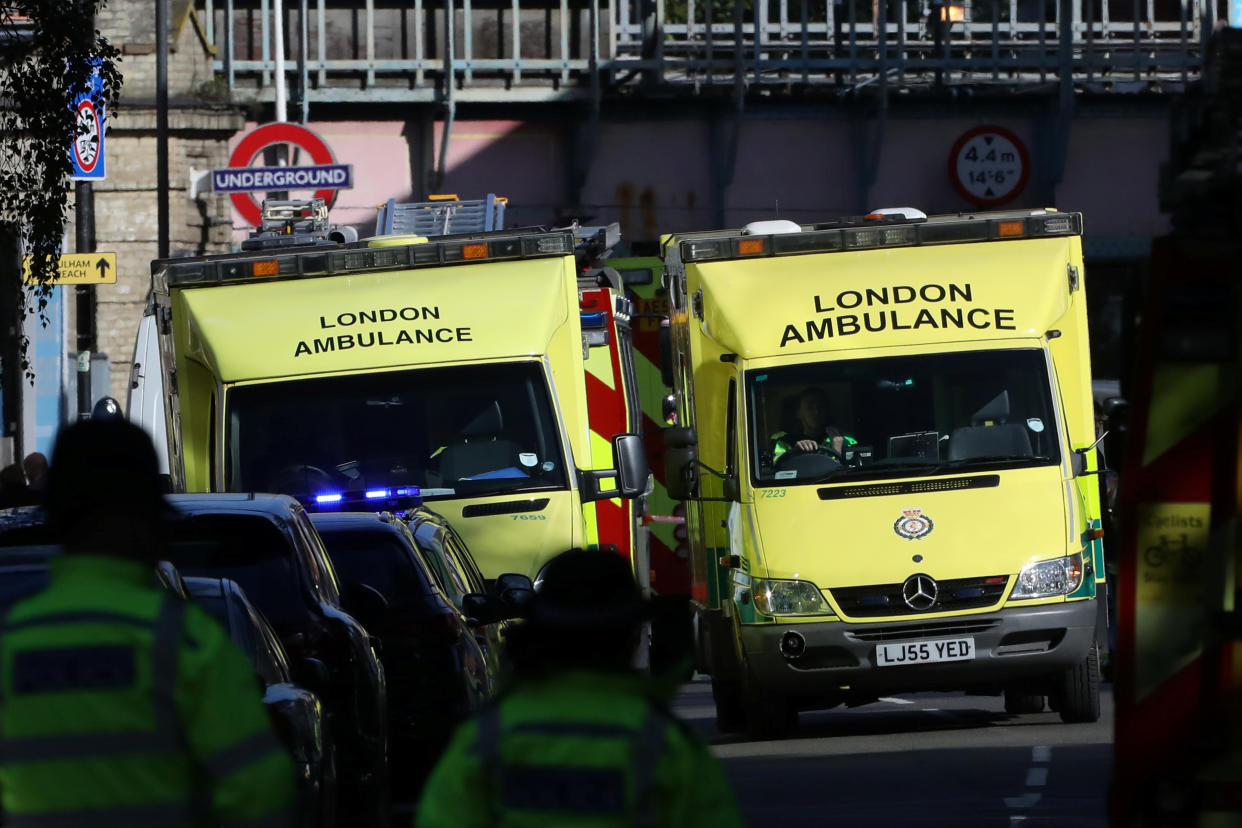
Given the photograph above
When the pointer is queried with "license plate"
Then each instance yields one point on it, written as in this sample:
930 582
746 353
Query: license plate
925 652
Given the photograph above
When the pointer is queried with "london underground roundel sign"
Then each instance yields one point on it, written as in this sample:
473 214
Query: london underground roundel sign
989 166
259 139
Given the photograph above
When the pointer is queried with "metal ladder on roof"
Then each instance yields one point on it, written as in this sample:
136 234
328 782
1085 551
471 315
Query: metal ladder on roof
441 216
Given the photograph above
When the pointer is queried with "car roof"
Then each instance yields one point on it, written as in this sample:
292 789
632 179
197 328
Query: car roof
276 505
353 520
424 514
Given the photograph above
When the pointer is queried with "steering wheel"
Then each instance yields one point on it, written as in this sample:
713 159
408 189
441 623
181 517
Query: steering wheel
306 477
810 463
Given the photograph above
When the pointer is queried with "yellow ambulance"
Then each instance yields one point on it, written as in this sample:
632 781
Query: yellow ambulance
379 373
887 461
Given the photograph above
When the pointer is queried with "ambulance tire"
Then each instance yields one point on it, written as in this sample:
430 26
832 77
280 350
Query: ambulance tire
769 715
730 712
1017 702
1078 691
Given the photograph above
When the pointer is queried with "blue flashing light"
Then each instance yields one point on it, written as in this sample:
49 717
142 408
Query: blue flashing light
374 493
594 320
408 491
328 498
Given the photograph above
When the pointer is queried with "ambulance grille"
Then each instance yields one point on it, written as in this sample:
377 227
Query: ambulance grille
916 631
952 595
950 484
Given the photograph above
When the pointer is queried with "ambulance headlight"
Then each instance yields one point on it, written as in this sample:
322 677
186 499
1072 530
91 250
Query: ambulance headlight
782 597
1059 576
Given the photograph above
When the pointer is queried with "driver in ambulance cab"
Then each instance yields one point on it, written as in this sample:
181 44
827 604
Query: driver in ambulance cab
812 432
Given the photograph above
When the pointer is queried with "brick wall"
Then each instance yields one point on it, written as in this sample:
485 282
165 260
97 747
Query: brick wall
126 206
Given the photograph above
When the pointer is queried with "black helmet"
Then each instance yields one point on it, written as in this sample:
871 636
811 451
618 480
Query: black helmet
587 589
107 409
103 470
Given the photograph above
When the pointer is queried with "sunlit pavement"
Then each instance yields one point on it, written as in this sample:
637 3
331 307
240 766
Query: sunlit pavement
924 759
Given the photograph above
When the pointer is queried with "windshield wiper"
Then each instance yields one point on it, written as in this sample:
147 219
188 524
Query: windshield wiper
997 458
879 466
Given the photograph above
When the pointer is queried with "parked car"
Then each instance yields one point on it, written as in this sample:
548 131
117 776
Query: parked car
458 574
438 672
27 545
297 714
267 544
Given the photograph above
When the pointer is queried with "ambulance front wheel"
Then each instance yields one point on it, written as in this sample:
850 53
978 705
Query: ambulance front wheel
730 710
769 715
1077 691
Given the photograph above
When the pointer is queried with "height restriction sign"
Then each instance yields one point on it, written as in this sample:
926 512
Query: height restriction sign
989 166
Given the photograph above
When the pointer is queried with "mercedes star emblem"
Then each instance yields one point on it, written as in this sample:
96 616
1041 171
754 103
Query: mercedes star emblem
920 592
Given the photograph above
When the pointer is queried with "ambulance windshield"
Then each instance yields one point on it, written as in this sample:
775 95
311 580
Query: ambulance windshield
453 432
901 416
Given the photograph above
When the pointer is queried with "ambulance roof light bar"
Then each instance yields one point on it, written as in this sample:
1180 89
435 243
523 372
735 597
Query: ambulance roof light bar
902 227
336 259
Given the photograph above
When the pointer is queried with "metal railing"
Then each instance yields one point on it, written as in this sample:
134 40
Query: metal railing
514 51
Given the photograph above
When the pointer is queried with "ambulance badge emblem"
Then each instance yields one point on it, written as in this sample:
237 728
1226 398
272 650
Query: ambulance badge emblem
913 524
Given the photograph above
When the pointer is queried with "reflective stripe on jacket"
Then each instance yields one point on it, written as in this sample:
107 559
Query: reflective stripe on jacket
121 705
579 749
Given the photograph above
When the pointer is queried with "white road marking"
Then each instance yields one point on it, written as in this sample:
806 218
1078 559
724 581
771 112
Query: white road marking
1027 800
1036 777
1041 753
1016 819
895 700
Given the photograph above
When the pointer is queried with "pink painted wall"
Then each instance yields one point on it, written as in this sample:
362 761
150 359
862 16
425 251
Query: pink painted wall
653 178
1112 174
656 177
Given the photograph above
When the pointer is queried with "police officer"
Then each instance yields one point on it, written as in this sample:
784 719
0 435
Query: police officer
120 705
581 739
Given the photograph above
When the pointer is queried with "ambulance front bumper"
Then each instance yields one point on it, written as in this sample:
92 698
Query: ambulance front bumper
1005 646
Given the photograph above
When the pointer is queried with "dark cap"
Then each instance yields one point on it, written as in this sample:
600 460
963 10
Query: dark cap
587 589
103 468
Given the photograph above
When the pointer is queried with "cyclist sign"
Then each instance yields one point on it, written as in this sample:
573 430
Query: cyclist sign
87 150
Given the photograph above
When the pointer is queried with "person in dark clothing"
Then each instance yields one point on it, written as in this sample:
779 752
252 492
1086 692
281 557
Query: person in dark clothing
812 432
121 704
35 468
581 738
13 488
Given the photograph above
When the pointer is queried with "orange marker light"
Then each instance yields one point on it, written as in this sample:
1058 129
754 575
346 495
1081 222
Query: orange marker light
750 247
266 267
474 251
1010 228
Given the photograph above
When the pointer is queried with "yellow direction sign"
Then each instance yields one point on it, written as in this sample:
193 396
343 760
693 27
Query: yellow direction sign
80 269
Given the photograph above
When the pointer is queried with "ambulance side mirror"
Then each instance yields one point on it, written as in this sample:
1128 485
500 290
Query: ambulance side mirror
681 462
630 472
1078 460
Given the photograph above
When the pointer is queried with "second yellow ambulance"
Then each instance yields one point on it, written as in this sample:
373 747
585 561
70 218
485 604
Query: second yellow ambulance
887 461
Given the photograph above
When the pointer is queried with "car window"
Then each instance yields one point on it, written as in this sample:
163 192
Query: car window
269 656
457 548
431 540
426 571
233 622
327 582
249 549
376 557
